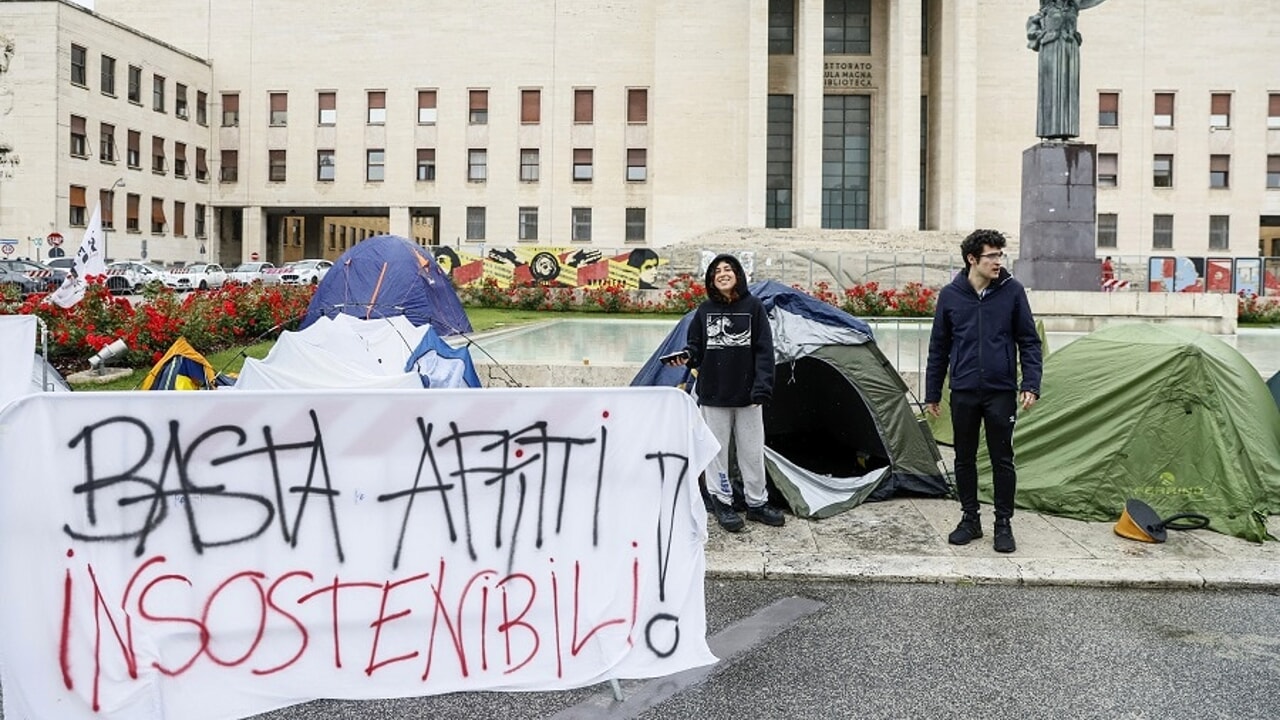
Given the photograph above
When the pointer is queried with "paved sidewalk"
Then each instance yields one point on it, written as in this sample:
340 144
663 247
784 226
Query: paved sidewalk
905 540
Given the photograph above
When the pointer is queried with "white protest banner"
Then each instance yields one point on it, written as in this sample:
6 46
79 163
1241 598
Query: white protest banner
210 555
89 262
18 338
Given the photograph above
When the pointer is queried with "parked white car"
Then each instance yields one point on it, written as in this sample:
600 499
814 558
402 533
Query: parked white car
305 272
249 272
130 276
197 276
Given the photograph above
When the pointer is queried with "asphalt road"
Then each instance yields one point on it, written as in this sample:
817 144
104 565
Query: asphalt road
845 650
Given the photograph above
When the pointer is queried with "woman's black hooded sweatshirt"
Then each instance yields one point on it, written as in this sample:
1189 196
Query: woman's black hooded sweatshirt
730 343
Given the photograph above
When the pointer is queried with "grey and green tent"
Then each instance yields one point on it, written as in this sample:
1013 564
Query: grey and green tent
839 430
1167 415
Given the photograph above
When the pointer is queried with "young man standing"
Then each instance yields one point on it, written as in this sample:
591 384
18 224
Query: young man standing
731 345
982 330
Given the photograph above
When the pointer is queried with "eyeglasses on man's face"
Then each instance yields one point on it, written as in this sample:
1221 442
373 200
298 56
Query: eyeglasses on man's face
1000 255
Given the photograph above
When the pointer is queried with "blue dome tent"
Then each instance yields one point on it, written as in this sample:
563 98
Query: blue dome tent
385 276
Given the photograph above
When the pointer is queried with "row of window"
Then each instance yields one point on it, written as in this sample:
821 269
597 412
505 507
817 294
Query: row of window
159 86
106 202
1162 231
1162 117
846 27
477 107
1162 171
375 165
109 153
527 221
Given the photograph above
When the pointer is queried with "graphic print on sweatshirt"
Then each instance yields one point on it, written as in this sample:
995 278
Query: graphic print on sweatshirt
728 330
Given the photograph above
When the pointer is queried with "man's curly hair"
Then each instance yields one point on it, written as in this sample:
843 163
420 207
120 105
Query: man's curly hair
973 244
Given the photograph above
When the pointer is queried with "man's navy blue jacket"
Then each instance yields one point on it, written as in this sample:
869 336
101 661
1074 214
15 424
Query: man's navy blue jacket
979 340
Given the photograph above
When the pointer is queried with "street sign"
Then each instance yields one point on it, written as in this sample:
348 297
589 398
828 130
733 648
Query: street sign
57 252
55 239
7 248
253 256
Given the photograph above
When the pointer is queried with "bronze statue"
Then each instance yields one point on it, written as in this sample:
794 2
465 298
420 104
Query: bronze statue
1052 33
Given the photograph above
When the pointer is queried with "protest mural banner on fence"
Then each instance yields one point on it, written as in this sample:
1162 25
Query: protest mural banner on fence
220 554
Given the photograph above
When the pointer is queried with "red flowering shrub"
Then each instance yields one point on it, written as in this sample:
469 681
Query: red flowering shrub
1252 309
684 292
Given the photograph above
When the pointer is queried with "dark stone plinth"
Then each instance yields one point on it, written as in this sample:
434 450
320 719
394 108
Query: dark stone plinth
1059 218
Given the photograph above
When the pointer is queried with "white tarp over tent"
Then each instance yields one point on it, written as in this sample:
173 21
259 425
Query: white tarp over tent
346 352
22 370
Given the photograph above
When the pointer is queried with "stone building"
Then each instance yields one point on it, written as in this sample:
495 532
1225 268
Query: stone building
295 129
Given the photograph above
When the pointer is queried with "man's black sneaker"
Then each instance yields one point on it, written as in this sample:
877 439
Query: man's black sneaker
767 514
1004 542
970 528
728 519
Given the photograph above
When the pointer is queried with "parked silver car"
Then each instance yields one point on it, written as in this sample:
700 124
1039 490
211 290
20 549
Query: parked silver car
305 272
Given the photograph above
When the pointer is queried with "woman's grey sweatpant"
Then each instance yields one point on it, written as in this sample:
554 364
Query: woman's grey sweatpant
746 426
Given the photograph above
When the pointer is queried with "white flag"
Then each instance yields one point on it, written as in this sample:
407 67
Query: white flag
89 260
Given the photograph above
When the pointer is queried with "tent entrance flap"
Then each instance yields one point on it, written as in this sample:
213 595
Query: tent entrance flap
818 420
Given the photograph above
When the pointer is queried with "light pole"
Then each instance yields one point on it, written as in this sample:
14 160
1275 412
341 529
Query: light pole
111 196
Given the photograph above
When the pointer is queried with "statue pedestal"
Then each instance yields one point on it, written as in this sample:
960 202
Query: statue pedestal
1059 218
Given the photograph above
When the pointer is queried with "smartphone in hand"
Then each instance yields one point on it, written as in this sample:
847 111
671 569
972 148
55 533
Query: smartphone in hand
674 357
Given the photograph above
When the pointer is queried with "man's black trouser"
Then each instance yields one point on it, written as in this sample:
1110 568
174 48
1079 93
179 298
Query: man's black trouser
995 411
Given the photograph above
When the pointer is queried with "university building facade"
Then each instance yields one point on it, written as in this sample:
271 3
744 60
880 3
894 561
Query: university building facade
297 129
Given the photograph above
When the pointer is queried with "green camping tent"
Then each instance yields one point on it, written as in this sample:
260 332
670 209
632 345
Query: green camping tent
1170 416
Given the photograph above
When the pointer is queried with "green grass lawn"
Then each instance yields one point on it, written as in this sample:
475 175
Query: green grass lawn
482 319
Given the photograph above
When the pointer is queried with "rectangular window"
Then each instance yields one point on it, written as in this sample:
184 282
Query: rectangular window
108 76
477 165
1164 110
157 216
135 84
1108 169
157 93
79 140
325 168
1220 110
107 201
635 225
1273 172
279 109
375 165
179 218
847 27
107 143
79 67
202 108
131 202
475 223
581 224
229 172
582 168
583 106
426 164
202 165
180 108
530 107
779 161
199 221
76 214
530 161
1108 109
528 226
1107 225
637 106
327 102
846 161
1273 111
426 107
782 27
180 159
158 165
377 107
1163 171
1162 232
637 169
230 110
276 165
1219 232
1219 171
135 150
478 107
